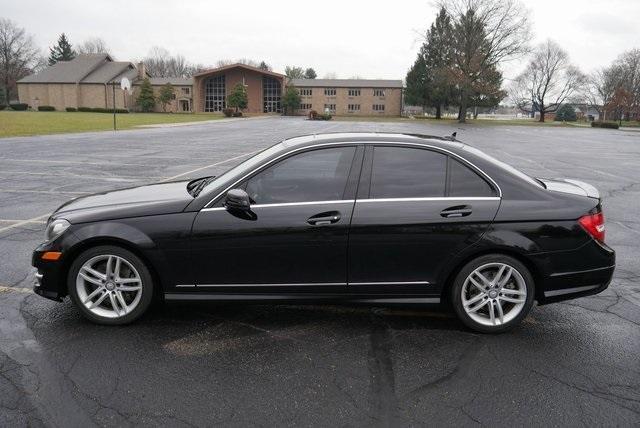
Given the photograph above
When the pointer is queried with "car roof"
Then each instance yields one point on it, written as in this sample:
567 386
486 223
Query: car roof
370 137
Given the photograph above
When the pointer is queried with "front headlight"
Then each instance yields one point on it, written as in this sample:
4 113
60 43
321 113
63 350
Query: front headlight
55 229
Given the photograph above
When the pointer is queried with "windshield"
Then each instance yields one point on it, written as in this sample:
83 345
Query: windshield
244 167
503 165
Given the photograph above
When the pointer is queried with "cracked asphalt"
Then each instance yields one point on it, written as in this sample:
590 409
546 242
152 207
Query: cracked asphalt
568 364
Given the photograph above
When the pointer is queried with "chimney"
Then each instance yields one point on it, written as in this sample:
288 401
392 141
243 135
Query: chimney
142 72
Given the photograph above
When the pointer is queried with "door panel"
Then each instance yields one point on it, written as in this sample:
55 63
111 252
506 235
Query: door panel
277 244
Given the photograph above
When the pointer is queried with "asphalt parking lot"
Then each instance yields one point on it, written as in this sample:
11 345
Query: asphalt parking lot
568 364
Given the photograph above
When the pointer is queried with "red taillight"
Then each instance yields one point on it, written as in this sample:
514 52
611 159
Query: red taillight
594 224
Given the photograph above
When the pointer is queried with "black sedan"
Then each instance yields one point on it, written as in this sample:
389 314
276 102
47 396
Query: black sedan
377 218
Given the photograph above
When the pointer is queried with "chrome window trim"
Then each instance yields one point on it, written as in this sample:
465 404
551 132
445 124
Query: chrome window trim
356 143
290 204
301 284
443 198
391 283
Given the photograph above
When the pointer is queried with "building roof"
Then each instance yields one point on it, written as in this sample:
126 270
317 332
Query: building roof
346 83
176 81
238 65
85 68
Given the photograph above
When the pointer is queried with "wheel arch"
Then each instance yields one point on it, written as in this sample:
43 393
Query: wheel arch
460 263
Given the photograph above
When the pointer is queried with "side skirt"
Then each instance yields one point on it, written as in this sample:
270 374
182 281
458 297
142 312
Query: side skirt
312 298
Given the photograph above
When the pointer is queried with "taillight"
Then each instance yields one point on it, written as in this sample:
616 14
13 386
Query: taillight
594 225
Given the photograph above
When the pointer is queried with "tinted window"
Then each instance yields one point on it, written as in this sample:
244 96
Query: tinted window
319 175
465 182
400 172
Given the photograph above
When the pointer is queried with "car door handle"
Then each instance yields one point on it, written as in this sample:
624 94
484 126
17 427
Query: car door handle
324 218
457 211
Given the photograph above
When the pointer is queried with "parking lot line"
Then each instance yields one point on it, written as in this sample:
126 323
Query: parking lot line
71 162
212 165
23 222
51 192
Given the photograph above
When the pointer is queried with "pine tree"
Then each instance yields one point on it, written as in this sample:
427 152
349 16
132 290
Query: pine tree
62 51
310 73
146 99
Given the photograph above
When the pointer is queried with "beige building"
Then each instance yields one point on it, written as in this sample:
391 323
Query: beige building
92 81
345 97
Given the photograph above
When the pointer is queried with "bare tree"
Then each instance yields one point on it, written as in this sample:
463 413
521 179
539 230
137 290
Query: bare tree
627 68
548 81
19 56
330 75
160 63
599 89
93 46
486 33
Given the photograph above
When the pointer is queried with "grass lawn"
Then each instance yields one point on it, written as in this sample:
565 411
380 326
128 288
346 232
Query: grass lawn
451 121
20 123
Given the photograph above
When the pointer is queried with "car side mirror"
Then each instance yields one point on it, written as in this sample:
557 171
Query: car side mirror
237 199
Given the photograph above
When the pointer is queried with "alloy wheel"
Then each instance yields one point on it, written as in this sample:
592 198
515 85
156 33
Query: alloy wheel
109 286
494 294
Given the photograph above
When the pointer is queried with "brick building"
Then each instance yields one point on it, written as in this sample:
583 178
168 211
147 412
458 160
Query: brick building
91 80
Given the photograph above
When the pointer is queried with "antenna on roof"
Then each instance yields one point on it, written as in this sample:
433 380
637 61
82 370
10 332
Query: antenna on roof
451 137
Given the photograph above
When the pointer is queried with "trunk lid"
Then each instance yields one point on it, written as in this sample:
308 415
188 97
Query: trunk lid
573 187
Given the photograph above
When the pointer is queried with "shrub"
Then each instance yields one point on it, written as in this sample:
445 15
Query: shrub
313 114
122 110
237 114
566 113
325 116
19 106
46 108
85 109
610 125
228 112
2 107
71 109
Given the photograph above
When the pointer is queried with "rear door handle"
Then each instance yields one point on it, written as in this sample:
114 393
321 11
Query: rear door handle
457 211
324 218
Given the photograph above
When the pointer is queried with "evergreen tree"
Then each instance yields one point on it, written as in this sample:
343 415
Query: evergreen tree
166 95
146 99
566 113
291 100
310 73
62 51
264 66
416 83
238 97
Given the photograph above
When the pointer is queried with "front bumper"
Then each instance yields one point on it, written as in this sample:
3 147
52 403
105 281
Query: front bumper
49 278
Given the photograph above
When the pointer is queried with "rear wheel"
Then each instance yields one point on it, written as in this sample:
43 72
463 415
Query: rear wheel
493 293
110 285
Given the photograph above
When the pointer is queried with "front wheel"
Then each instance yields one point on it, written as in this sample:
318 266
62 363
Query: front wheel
110 285
492 293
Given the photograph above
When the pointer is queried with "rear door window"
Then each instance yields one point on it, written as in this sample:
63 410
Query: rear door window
463 181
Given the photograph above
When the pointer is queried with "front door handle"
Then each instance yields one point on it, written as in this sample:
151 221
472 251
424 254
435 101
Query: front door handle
324 218
457 211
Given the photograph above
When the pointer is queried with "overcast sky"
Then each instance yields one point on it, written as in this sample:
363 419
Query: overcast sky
371 39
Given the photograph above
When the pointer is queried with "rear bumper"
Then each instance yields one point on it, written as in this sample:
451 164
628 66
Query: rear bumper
585 271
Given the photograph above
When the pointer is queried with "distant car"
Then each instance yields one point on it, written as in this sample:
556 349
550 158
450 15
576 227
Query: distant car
378 218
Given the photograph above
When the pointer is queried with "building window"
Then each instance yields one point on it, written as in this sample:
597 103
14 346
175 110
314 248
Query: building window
271 93
330 92
330 107
353 107
306 92
354 92
378 92
214 94
305 107
378 107
186 91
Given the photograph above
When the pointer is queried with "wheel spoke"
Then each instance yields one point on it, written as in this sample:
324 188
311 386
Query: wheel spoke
500 312
129 287
128 280
114 304
94 272
476 283
100 299
485 281
503 276
92 295
492 315
109 269
116 268
121 301
473 300
511 299
478 306
90 279
510 291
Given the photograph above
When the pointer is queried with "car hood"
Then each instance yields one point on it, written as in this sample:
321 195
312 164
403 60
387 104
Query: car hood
573 187
153 199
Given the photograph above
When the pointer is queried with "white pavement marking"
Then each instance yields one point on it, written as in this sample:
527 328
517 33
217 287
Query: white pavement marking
91 177
44 216
212 165
72 162
51 192
5 288
4 220
23 222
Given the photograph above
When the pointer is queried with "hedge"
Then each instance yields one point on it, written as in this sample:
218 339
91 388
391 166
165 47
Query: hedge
610 125
2 107
71 109
19 106
46 108
99 110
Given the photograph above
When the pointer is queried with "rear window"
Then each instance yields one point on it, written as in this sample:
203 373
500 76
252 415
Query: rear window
504 166
465 182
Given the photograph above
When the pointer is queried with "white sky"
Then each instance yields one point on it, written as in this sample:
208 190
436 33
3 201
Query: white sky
371 39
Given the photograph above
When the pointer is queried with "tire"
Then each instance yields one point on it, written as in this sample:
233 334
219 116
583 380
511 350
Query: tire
475 293
115 284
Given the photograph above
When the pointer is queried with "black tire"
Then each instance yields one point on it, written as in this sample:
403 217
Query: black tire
458 283
135 261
